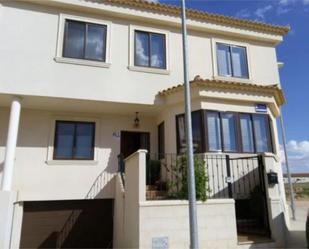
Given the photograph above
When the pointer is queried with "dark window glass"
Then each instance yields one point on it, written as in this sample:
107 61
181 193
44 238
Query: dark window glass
196 133
161 139
74 39
229 132
246 133
74 140
158 50
262 133
150 50
84 41
96 42
232 61
64 140
214 131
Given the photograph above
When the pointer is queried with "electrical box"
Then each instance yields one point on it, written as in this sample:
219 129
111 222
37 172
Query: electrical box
272 178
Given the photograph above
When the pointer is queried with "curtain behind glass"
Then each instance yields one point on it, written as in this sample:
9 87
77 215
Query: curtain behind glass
239 61
224 60
214 127
229 132
246 133
261 134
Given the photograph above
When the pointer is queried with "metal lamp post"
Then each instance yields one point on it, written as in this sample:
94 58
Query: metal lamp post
189 140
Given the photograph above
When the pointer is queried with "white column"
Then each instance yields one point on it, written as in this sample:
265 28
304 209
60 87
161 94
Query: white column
11 145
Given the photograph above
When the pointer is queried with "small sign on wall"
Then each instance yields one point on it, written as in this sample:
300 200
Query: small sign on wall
116 135
160 243
261 108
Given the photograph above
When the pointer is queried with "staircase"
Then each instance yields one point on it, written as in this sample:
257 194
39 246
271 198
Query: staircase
154 192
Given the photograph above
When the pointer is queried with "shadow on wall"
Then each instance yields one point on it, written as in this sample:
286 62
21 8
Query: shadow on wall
1 167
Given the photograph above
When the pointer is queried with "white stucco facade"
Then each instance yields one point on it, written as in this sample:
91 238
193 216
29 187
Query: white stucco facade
50 87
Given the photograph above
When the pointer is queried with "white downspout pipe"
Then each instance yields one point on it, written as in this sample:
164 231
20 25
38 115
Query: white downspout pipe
11 143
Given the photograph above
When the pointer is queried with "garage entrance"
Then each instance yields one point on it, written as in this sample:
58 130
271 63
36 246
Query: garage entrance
68 224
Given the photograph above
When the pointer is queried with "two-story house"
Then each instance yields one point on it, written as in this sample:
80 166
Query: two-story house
92 126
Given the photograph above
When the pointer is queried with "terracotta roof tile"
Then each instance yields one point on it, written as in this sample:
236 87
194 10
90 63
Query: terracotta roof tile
232 85
205 16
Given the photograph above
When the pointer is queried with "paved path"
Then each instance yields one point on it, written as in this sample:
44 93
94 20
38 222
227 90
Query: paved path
297 236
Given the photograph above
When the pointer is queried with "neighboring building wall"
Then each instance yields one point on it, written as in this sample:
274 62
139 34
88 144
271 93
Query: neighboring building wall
38 178
29 46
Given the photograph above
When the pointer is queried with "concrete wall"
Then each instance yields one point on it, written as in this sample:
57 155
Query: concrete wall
216 223
38 177
29 44
138 222
278 211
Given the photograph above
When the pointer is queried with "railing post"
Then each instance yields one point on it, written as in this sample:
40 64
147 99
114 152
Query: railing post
228 171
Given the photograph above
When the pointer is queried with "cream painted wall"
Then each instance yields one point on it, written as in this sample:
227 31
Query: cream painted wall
29 44
169 219
36 179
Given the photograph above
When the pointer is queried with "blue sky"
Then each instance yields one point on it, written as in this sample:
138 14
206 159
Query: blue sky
294 52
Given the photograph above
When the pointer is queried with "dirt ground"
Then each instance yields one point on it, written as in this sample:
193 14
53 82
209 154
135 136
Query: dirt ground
297 231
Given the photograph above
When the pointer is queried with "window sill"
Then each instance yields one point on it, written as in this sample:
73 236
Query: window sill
82 62
149 70
71 162
229 78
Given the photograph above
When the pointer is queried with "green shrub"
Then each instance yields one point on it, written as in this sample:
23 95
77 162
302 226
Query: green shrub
200 179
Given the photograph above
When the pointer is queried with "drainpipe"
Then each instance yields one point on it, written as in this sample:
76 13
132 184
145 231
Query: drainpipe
11 145
293 206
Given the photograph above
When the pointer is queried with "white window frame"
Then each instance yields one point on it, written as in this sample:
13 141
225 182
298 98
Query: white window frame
214 42
131 66
50 149
60 41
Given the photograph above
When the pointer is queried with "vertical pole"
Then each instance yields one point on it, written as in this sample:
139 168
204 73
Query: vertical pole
11 145
190 166
293 206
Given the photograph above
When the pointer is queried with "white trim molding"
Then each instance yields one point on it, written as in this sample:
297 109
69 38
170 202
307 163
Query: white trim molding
59 51
131 65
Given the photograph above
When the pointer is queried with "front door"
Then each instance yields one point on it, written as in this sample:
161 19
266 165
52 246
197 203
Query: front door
133 141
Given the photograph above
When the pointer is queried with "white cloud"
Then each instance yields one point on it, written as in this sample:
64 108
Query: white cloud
306 2
261 12
244 13
298 155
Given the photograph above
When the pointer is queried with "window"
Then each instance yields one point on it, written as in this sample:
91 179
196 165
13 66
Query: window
74 140
214 131
232 61
229 132
246 133
262 133
196 132
226 131
84 41
150 50
161 138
